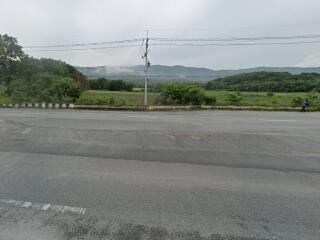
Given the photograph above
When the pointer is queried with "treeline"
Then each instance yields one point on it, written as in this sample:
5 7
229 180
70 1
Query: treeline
27 79
267 82
110 85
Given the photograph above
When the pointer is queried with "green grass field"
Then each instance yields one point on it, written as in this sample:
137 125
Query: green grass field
248 98
260 99
130 98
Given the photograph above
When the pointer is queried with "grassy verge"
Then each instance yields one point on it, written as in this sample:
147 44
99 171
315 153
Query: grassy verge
262 99
249 99
120 98
259 99
3 98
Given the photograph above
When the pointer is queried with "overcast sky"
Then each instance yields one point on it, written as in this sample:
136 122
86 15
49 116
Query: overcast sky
45 22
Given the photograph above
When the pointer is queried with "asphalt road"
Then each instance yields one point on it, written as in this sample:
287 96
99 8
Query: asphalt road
165 175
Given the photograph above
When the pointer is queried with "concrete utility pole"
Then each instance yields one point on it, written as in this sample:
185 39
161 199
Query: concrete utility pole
147 66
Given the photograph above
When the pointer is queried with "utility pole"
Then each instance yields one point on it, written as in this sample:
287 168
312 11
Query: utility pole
147 66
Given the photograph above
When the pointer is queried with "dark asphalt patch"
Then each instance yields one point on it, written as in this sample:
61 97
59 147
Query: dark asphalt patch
69 227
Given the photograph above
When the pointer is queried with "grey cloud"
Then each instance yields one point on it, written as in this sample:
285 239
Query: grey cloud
37 22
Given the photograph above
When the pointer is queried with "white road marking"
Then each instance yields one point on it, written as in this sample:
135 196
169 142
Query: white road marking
27 130
278 120
26 204
142 116
172 137
196 138
45 206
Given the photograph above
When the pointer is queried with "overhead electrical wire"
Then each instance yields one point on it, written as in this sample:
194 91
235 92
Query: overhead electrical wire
179 42
236 38
80 49
233 44
85 44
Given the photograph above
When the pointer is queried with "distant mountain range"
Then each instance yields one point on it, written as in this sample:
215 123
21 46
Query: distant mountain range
162 73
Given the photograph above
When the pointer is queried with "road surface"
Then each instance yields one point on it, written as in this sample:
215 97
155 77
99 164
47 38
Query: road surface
159 175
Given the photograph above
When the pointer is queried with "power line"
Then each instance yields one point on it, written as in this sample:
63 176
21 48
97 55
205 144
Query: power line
233 44
236 38
81 49
178 40
177 45
192 42
85 44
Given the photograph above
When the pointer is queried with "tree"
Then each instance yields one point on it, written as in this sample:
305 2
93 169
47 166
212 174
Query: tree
37 88
128 87
267 82
11 55
111 85
19 91
30 79
66 89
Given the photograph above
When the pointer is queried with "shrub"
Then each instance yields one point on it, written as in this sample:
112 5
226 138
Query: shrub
179 93
195 96
296 101
99 100
270 94
275 102
233 98
175 93
111 85
66 88
210 100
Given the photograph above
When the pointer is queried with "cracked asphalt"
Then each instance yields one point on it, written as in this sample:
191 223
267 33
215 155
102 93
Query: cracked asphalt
159 175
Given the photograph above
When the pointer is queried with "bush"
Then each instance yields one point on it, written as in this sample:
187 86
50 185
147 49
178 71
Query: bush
18 90
66 88
275 102
270 94
111 85
43 87
101 100
210 100
179 93
195 96
233 98
175 93
93 101
296 101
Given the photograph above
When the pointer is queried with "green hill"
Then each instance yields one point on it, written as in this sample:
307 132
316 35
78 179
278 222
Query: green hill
267 82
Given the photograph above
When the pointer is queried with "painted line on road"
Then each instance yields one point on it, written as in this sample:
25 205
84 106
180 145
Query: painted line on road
196 138
142 116
172 137
44 206
27 130
278 120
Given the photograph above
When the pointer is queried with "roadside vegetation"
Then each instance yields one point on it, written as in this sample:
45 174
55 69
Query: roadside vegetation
222 98
118 98
24 79
267 82
110 85
27 79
